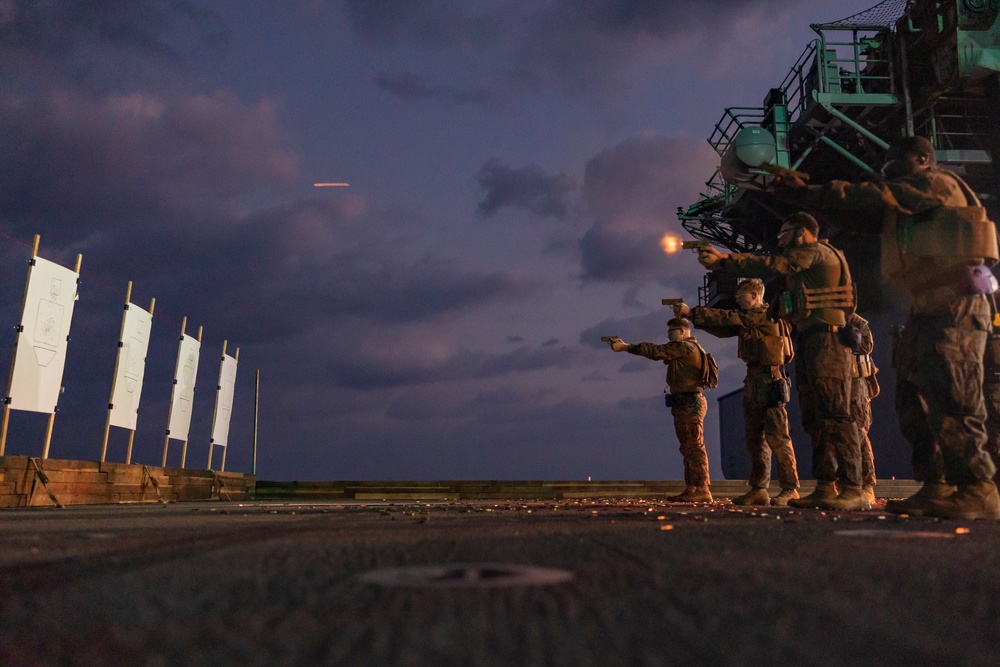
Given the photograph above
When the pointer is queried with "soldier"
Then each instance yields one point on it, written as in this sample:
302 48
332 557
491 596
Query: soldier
688 374
935 240
819 293
765 346
864 387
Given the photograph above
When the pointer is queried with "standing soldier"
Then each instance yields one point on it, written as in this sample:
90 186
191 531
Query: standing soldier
690 370
819 294
765 346
936 240
864 387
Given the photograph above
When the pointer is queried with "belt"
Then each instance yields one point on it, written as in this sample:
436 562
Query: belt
816 328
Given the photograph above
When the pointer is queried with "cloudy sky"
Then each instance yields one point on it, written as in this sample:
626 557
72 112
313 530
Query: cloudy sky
512 165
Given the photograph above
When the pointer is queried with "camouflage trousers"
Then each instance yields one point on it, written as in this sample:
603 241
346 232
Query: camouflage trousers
766 422
823 381
939 392
861 412
689 425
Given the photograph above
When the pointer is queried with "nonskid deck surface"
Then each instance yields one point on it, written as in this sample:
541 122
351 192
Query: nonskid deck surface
562 582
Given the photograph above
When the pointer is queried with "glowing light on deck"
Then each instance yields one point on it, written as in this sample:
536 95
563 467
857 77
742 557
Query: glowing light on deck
331 185
670 243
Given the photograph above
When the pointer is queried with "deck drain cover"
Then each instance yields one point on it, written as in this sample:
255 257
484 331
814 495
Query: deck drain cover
467 575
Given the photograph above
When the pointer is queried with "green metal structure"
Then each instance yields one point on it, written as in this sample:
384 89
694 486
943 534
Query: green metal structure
902 67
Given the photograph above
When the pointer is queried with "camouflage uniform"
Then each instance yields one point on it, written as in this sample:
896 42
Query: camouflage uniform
862 381
685 360
822 364
939 356
764 414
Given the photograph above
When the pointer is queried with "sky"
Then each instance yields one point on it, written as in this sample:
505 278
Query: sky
512 166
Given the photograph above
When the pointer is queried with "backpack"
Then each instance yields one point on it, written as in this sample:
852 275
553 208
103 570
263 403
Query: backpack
710 370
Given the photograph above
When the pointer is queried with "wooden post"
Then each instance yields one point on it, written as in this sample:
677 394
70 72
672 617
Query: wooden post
10 378
256 411
48 435
3 428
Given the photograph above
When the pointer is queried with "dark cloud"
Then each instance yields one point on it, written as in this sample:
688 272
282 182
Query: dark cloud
631 329
385 369
442 22
132 181
583 48
57 30
80 163
411 86
515 339
633 191
528 188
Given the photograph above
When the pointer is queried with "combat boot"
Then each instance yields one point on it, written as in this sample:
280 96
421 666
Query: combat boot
869 492
782 499
824 491
975 500
852 498
692 494
754 496
916 504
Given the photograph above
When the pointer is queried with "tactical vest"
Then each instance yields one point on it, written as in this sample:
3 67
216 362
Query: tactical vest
766 344
949 235
688 373
797 303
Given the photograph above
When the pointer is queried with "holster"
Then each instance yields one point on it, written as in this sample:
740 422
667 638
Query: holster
780 393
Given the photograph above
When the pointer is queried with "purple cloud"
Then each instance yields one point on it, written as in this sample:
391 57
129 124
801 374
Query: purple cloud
527 188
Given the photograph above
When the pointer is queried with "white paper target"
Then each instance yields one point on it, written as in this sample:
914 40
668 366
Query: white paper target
224 401
40 358
131 367
182 396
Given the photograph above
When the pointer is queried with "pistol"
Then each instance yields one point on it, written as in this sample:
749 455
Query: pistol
607 339
671 302
783 172
695 245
